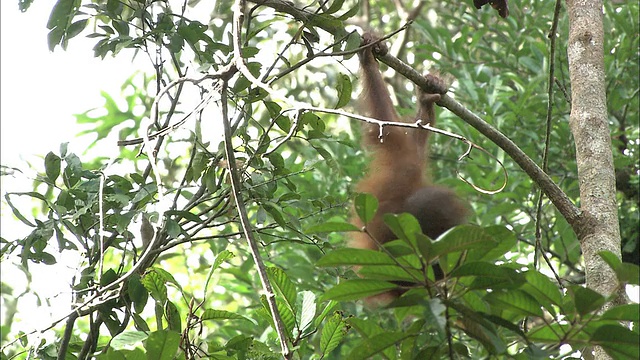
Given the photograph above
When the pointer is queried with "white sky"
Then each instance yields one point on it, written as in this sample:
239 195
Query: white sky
40 92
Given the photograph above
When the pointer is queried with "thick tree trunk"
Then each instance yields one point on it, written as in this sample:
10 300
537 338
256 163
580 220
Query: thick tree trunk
590 129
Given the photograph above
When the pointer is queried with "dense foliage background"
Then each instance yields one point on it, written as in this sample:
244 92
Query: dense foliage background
187 286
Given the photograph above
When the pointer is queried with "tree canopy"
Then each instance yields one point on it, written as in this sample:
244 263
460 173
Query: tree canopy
218 229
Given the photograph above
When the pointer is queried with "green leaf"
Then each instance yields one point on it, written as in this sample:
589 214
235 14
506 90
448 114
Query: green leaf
114 7
335 6
16 212
173 228
275 111
543 290
162 345
610 258
52 166
172 314
122 27
365 327
276 213
357 289
107 29
63 243
185 215
108 277
489 276
60 21
24 5
392 273
276 160
76 28
366 206
73 171
211 314
465 238
331 226
404 226
281 283
377 344
137 293
127 339
155 285
344 88
313 120
284 123
349 256
63 149
503 241
553 333
626 273
628 312
617 341
329 307
484 332
368 329
307 311
288 317
348 14
60 13
332 333
515 300
585 299
176 43
166 276
223 256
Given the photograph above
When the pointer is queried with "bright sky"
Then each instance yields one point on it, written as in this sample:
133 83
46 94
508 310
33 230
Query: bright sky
40 92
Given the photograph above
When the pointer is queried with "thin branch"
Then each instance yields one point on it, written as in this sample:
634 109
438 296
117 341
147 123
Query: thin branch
238 15
66 337
401 46
248 233
101 225
550 188
547 138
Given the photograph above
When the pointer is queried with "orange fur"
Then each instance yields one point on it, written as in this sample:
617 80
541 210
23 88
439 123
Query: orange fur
397 174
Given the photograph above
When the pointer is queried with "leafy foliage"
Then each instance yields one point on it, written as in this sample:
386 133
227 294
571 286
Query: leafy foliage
165 271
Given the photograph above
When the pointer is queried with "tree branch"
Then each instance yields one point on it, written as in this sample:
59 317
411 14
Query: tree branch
550 188
238 15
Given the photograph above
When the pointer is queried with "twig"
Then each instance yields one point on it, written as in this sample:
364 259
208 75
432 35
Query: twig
101 225
547 139
292 132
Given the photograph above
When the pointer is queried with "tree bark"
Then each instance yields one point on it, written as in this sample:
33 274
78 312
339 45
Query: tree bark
590 129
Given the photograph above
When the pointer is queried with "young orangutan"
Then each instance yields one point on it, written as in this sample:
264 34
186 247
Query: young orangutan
397 174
